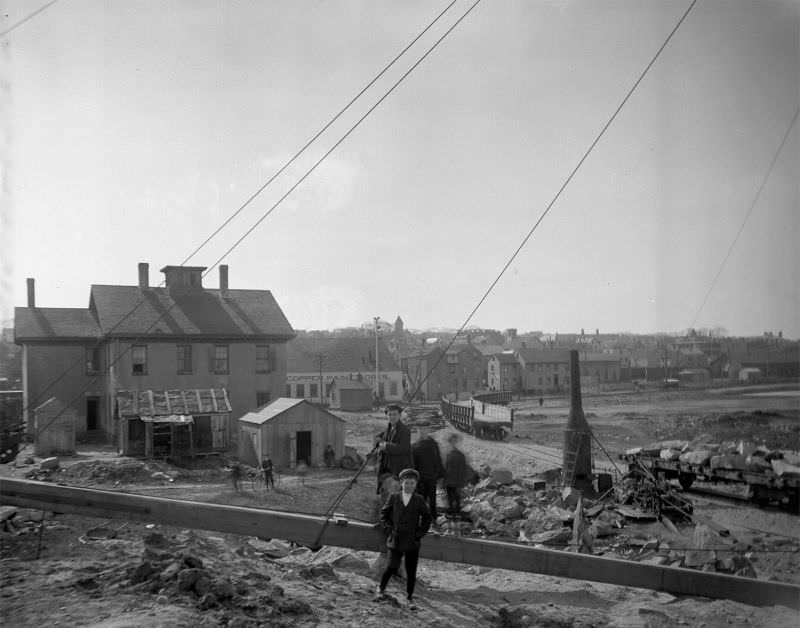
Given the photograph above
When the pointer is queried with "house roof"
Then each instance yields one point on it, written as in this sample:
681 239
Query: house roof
350 384
599 357
278 407
151 403
489 350
505 358
126 310
460 348
131 311
339 355
54 322
543 355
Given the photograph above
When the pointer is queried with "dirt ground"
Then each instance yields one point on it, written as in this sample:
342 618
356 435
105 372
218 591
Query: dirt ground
87 572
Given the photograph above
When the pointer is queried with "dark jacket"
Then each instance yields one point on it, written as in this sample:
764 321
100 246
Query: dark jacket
428 459
405 525
456 469
397 455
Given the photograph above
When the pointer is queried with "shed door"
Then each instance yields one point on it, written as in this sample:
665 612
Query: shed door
304 447
292 450
219 424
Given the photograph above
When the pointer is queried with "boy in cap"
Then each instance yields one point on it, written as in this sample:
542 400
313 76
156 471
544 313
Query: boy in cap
405 518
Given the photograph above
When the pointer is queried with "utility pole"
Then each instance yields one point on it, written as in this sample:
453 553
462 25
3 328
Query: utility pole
321 357
377 367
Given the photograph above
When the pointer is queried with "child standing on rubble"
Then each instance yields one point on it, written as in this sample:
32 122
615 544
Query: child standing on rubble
456 474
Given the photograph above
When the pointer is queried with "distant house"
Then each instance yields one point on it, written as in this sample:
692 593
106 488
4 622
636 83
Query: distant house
466 372
290 432
179 337
750 375
544 370
312 360
781 361
597 368
694 376
350 395
424 372
503 372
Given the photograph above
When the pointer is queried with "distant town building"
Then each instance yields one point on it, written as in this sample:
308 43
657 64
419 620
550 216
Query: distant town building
311 360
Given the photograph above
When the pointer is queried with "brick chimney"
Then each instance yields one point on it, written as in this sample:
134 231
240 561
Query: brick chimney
144 275
31 292
223 280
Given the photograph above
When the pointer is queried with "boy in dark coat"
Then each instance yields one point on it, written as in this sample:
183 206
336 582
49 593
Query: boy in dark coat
457 473
405 519
394 445
428 462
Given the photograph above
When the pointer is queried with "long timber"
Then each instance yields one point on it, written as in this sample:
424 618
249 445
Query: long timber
304 529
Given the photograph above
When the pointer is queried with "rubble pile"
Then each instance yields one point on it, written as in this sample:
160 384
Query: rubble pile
177 574
622 525
741 455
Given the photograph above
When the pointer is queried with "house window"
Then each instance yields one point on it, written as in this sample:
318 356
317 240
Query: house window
312 391
300 390
92 360
392 388
139 358
184 359
262 398
263 362
220 362
288 390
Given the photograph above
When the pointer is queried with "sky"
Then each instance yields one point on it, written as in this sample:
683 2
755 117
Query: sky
130 131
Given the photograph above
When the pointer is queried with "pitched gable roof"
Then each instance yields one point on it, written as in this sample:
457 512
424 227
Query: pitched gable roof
535 356
278 407
340 355
40 323
129 310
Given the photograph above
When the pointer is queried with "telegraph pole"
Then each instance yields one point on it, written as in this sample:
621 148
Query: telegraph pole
321 357
377 368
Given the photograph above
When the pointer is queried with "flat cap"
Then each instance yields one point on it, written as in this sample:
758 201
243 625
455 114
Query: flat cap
409 473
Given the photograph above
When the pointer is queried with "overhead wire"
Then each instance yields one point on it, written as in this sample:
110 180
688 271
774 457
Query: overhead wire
558 193
98 343
746 218
268 212
29 17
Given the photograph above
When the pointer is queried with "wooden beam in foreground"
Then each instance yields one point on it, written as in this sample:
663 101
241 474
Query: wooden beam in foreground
304 529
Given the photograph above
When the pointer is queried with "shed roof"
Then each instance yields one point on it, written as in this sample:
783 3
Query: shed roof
150 403
278 407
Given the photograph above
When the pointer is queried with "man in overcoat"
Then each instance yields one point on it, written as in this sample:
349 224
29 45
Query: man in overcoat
405 519
394 444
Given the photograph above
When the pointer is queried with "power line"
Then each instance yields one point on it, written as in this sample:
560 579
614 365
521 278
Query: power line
561 189
105 336
271 209
746 218
25 19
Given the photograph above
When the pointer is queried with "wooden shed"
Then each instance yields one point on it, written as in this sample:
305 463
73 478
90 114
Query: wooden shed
350 395
168 423
290 431
54 428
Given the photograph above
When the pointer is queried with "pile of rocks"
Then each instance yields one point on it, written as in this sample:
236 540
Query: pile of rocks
742 455
523 510
175 572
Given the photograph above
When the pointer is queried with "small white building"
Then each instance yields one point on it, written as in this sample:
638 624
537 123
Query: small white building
750 375
290 431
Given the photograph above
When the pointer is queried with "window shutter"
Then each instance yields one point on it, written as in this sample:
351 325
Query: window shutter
272 358
211 359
